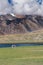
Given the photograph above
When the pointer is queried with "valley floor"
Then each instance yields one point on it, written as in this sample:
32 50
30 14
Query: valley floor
30 55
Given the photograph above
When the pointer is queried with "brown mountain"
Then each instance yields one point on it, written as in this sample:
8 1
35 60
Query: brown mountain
20 24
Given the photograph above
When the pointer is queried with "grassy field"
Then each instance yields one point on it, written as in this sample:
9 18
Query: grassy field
36 36
30 55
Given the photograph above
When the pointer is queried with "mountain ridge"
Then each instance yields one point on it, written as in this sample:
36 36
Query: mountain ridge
19 24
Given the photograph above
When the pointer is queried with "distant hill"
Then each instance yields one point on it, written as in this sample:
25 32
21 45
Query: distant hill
18 24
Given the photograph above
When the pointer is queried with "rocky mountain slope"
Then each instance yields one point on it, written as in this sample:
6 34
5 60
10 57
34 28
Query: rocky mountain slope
28 23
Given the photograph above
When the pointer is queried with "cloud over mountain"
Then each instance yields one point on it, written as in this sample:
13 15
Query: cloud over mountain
22 7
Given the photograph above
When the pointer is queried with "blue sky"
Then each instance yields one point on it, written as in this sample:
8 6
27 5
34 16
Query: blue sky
10 1
39 1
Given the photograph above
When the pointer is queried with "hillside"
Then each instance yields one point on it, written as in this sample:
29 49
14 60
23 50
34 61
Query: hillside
30 37
11 25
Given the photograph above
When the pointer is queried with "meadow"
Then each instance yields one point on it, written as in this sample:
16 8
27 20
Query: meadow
26 55
30 37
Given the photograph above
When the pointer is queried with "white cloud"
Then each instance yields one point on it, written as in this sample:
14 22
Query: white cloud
20 1
30 9
4 7
25 7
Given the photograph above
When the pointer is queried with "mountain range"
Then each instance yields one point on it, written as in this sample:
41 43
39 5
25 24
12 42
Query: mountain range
20 24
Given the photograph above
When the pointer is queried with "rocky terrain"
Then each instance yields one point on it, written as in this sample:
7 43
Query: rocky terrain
28 23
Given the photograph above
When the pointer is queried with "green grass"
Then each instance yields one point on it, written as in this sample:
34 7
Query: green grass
30 55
